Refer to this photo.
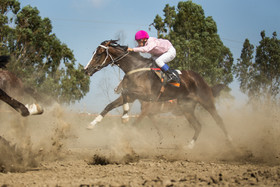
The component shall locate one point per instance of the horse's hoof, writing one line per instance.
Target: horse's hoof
(190, 145)
(125, 118)
(124, 121)
(34, 109)
(90, 127)
(93, 124)
(229, 138)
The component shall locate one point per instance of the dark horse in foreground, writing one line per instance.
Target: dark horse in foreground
(10, 83)
(140, 82)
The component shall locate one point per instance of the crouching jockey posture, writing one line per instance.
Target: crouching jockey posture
(161, 50)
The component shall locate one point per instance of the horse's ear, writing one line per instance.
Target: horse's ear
(114, 42)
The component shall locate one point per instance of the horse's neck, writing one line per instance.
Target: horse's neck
(134, 61)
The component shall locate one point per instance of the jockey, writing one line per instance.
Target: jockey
(162, 51)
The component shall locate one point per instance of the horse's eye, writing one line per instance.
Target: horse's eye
(99, 52)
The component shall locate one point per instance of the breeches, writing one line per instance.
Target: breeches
(165, 57)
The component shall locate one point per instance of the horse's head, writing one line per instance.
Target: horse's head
(108, 52)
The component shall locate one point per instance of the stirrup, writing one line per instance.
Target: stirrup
(173, 82)
(173, 78)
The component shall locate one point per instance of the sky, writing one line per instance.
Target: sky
(83, 24)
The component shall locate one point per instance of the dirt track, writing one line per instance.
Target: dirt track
(57, 150)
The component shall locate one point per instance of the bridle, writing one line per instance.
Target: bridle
(108, 55)
(113, 61)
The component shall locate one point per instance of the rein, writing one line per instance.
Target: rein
(113, 61)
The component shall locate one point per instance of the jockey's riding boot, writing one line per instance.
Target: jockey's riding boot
(172, 76)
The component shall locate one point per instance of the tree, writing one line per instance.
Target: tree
(39, 58)
(5, 7)
(260, 78)
(244, 68)
(199, 47)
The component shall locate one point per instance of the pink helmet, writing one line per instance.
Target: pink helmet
(141, 35)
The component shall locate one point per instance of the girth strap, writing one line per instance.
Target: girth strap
(138, 70)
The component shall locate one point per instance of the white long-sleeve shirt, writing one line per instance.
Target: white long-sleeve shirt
(154, 46)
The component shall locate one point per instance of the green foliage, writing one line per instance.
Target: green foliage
(259, 77)
(244, 68)
(199, 47)
(39, 58)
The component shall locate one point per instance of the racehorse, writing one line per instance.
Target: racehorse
(9, 82)
(141, 82)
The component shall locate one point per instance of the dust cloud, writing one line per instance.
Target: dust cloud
(60, 134)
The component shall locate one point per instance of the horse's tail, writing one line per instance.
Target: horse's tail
(216, 89)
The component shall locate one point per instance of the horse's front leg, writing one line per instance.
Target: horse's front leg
(14, 103)
(125, 116)
(116, 103)
(126, 100)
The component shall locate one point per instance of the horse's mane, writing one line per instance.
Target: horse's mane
(149, 61)
(140, 57)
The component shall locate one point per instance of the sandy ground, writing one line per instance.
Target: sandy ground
(55, 149)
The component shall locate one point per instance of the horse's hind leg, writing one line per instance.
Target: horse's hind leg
(208, 103)
(154, 121)
(188, 108)
(212, 110)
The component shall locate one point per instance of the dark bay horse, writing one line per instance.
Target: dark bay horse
(10, 83)
(141, 83)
